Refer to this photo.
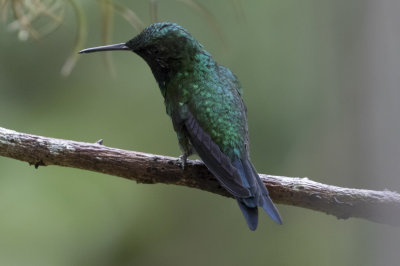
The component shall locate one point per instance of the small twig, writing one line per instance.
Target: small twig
(377, 206)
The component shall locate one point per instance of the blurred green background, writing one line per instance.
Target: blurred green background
(321, 83)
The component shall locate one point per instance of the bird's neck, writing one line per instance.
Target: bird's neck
(164, 72)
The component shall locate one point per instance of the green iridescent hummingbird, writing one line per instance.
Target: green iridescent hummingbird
(204, 102)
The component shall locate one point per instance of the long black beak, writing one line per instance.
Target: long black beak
(112, 47)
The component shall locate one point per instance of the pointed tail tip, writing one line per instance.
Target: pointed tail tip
(250, 214)
(271, 210)
(252, 228)
(278, 220)
(274, 214)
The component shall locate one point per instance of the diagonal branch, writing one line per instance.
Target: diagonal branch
(377, 206)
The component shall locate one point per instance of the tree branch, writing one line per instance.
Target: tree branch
(377, 206)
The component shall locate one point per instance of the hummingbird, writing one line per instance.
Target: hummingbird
(204, 101)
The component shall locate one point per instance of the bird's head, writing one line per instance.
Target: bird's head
(167, 41)
(163, 45)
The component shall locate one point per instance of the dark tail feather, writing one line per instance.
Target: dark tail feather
(250, 214)
(271, 210)
(267, 203)
(259, 193)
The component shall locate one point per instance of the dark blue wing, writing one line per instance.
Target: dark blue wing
(217, 162)
(238, 177)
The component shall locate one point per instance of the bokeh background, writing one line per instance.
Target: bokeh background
(321, 82)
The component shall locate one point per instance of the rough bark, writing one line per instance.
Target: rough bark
(377, 206)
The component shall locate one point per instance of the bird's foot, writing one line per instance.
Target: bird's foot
(183, 159)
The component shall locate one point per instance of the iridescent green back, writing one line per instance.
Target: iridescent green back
(213, 95)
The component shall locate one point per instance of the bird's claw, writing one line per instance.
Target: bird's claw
(183, 159)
